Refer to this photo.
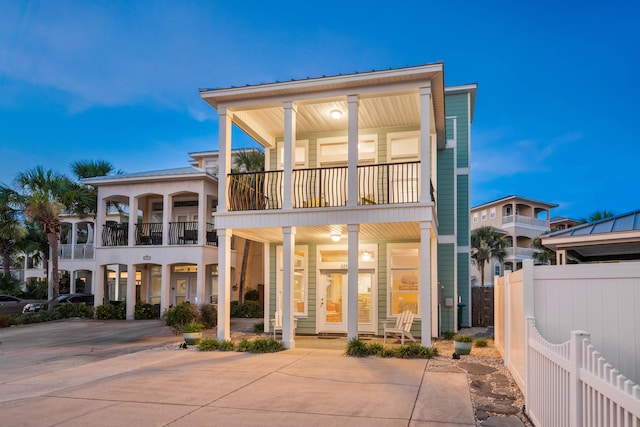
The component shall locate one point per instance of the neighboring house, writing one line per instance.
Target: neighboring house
(76, 251)
(562, 223)
(611, 239)
(166, 253)
(362, 210)
(522, 220)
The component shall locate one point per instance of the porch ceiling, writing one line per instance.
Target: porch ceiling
(322, 234)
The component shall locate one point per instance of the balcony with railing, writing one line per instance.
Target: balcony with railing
(389, 183)
(183, 233)
(525, 220)
(149, 233)
(115, 234)
(78, 251)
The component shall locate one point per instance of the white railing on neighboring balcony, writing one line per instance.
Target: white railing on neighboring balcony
(76, 252)
(570, 384)
(527, 220)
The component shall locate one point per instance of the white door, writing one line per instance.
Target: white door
(184, 288)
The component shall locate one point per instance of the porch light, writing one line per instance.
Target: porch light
(336, 237)
(367, 256)
(336, 114)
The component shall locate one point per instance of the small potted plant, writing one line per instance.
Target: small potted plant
(462, 344)
(192, 333)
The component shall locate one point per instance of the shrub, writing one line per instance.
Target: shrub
(375, 348)
(208, 344)
(226, 345)
(252, 295)
(258, 328)
(6, 320)
(192, 327)
(180, 315)
(265, 345)
(250, 309)
(463, 338)
(448, 335)
(28, 318)
(481, 342)
(145, 311)
(358, 348)
(9, 285)
(67, 310)
(209, 315)
(416, 351)
(36, 289)
(387, 352)
(110, 312)
(243, 345)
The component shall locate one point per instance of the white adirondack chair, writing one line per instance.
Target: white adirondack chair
(276, 323)
(402, 326)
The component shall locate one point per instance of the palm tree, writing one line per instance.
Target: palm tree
(251, 160)
(598, 215)
(542, 254)
(12, 232)
(43, 195)
(93, 168)
(486, 243)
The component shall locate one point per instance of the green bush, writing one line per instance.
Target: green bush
(448, 335)
(9, 285)
(111, 312)
(209, 315)
(36, 289)
(463, 338)
(375, 348)
(250, 309)
(180, 315)
(243, 345)
(416, 351)
(252, 295)
(388, 352)
(358, 348)
(481, 342)
(28, 318)
(144, 311)
(226, 345)
(192, 327)
(208, 344)
(67, 310)
(6, 320)
(258, 328)
(265, 345)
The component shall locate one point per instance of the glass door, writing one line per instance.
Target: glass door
(333, 297)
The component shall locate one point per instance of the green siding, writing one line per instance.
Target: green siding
(463, 210)
(457, 105)
(446, 279)
(463, 285)
(445, 192)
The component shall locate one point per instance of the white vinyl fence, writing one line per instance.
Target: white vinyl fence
(572, 384)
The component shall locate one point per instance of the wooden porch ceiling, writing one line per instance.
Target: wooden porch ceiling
(322, 234)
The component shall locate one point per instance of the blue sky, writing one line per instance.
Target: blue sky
(556, 108)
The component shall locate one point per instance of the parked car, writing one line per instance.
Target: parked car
(61, 299)
(14, 305)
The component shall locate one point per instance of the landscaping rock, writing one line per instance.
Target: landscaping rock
(477, 368)
(481, 415)
(498, 408)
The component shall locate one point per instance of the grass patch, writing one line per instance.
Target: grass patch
(226, 345)
(448, 335)
(208, 344)
(481, 342)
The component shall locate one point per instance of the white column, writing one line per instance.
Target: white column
(425, 282)
(100, 215)
(352, 143)
(289, 245)
(165, 287)
(201, 275)
(72, 281)
(131, 291)
(202, 217)
(425, 144)
(266, 258)
(98, 286)
(74, 239)
(290, 115)
(133, 219)
(224, 156)
(224, 283)
(166, 216)
(352, 281)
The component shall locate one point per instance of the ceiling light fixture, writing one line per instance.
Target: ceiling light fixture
(335, 237)
(336, 114)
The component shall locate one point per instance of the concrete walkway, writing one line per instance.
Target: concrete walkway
(299, 387)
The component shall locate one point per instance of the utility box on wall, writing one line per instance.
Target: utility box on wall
(448, 302)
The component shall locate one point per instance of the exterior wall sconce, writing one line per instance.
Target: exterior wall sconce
(367, 256)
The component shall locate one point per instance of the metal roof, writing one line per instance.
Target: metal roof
(626, 222)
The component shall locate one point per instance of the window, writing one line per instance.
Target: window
(483, 215)
(492, 213)
(335, 151)
(403, 146)
(299, 154)
(299, 280)
(496, 269)
(404, 278)
(475, 217)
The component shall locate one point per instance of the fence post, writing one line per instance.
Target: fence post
(529, 321)
(575, 390)
(527, 288)
(506, 318)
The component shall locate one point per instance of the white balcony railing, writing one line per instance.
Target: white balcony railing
(77, 252)
(527, 220)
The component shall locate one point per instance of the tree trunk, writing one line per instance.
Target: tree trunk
(6, 263)
(482, 306)
(55, 274)
(243, 270)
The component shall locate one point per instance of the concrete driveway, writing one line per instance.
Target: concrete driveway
(92, 373)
